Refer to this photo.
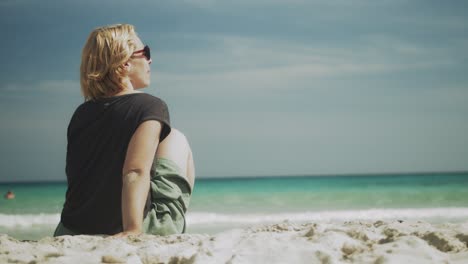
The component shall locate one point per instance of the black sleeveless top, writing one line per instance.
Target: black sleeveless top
(98, 136)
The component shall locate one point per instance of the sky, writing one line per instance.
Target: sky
(260, 88)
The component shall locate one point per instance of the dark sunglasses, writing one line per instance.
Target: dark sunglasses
(146, 52)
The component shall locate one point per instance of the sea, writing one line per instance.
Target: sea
(220, 204)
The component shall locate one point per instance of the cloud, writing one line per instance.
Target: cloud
(47, 86)
(236, 64)
(281, 3)
(44, 100)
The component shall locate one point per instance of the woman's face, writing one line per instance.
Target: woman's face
(139, 72)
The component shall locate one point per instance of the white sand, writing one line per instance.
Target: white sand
(350, 242)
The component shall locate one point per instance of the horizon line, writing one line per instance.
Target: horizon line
(367, 174)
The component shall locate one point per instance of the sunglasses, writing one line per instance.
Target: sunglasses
(146, 52)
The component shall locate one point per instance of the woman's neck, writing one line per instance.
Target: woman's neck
(128, 89)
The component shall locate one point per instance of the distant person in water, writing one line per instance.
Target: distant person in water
(9, 195)
(128, 171)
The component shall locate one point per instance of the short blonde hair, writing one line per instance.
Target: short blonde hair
(104, 53)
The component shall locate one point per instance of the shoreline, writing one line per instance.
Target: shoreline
(401, 241)
(35, 227)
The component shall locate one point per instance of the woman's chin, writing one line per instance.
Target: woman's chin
(143, 85)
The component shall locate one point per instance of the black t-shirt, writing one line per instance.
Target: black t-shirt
(98, 137)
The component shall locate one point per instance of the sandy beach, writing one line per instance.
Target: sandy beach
(346, 242)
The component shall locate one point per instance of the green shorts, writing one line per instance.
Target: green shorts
(170, 195)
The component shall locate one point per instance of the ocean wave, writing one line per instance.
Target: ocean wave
(28, 220)
(207, 218)
(439, 214)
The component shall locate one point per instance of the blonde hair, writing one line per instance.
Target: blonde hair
(105, 51)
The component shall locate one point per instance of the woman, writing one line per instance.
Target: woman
(128, 172)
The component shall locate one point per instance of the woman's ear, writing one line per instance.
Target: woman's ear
(126, 66)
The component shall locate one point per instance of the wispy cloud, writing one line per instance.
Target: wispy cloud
(43, 86)
(257, 65)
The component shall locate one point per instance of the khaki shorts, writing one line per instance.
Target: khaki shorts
(170, 197)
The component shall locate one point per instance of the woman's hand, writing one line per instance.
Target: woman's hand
(128, 233)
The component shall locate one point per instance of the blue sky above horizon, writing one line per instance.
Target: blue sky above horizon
(259, 87)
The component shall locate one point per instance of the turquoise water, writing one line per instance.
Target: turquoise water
(219, 204)
(343, 192)
(33, 198)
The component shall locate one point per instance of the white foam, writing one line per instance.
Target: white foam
(448, 214)
(28, 220)
(207, 218)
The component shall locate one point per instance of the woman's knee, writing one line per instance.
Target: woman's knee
(175, 141)
(176, 135)
(175, 147)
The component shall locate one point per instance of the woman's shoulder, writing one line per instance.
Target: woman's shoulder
(152, 106)
(149, 99)
(144, 100)
(147, 96)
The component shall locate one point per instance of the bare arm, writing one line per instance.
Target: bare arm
(136, 175)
